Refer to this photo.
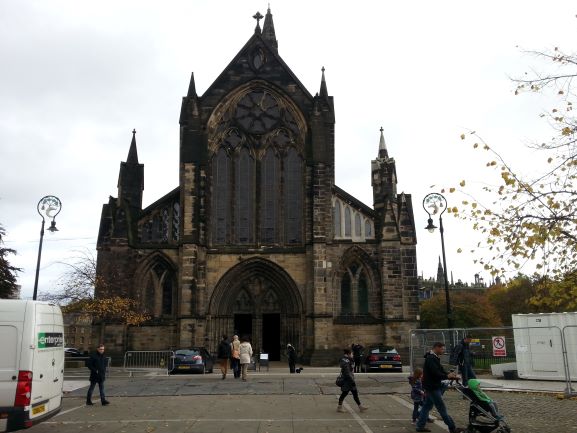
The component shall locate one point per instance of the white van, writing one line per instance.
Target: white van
(31, 362)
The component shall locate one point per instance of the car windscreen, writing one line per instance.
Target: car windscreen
(187, 352)
(383, 349)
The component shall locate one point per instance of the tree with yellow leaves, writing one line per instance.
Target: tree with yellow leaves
(533, 218)
(75, 293)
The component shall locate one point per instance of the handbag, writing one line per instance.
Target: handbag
(340, 380)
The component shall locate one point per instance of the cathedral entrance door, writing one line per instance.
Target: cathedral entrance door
(243, 325)
(271, 336)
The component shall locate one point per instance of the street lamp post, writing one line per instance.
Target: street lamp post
(48, 207)
(434, 204)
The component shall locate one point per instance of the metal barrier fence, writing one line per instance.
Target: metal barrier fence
(149, 360)
(544, 352)
(570, 339)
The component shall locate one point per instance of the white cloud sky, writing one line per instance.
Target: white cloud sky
(76, 77)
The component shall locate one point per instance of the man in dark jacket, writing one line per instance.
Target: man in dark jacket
(357, 356)
(223, 354)
(433, 375)
(462, 357)
(97, 364)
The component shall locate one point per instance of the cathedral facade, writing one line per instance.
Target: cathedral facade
(257, 239)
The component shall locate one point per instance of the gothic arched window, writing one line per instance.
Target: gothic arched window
(244, 195)
(293, 197)
(159, 289)
(346, 294)
(269, 185)
(358, 224)
(355, 290)
(347, 221)
(363, 294)
(221, 197)
(337, 219)
(167, 293)
(368, 229)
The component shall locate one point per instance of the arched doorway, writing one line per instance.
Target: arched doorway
(258, 299)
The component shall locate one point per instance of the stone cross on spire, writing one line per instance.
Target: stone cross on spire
(257, 17)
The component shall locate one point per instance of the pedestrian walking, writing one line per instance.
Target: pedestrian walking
(97, 364)
(245, 351)
(223, 355)
(462, 357)
(357, 356)
(235, 356)
(292, 357)
(433, 375)
(349, 385)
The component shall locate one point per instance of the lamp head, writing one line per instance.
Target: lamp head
(430, 226)
(52, 227)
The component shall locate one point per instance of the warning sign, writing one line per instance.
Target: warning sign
(499, 348)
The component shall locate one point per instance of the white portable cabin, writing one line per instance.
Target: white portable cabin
(31, 362)
(538, 346)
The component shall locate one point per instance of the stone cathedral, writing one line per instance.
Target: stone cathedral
(257, 239)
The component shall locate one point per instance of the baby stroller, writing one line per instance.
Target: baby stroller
(483, 417)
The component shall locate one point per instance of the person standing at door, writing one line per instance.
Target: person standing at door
(245, 350)
(292, 357)
(223, 354)
(97, 364)
(235, 356)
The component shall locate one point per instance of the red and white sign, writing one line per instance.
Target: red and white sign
(499, 347)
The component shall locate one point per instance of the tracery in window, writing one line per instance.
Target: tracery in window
(244, 197)
(293, 197)
(355, 290)
(346, 294)
(269, 185)
(221, 197)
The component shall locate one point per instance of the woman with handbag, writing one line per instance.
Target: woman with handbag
(235, 356)
(245, 351)
(347, 378)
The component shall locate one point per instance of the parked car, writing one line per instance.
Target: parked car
(195, 359)
(71, 352)
(382, 358)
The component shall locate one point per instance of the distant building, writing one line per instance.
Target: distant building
(78, 331)
(429, 287)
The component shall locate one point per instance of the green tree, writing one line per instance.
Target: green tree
(470, 310)
(533, 217)
(513, 298)
(8, 286)
(555, 295)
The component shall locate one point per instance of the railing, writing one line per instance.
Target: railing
(149, 360)
(551, 351)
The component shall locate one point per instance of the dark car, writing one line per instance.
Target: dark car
(382, 358)
(193, 360)
(71, 352)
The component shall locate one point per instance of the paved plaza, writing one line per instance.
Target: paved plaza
(278, 402)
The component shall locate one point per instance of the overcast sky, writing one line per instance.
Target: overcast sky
(76, 77)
